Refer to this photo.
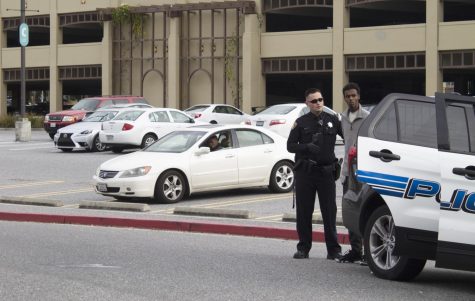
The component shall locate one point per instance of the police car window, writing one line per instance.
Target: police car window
(249, 138)
(458, 129)
(386, 128)
(417, 123)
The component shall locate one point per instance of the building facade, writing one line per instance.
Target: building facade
(245, 53)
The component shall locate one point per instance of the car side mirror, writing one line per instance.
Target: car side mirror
(202, 151)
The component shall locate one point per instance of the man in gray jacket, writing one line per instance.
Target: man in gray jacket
(351, 120)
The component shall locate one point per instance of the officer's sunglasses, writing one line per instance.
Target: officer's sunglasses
(316, 100)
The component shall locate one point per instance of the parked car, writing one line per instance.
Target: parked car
(84, 135)
(57, 120)
(280, 118)
(141, 127)
(181, 164)
(412, 185)
(217, 114)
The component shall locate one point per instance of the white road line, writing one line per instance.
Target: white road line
(13, 143)
(29, 184)
(270, 217)
(37, 195)
(29, 148)
(232, 202)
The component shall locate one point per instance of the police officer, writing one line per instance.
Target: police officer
(312, 139)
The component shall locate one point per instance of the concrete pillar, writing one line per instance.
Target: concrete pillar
(173, 65)
(55, 86)
(252, 79)
(341, 20)
(3, 87)
(107, 88)
(434, 15)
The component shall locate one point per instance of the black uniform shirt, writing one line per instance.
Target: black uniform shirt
(305, 127)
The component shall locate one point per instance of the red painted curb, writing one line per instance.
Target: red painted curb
(266, 232)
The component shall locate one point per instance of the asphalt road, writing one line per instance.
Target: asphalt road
(36, 169)
(63, 262)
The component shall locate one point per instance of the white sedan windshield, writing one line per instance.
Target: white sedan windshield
(175, 142)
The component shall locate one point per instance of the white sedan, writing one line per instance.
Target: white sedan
(280, 118)
(181, 163)
(141, 127)
(217, 114)
(84, 135)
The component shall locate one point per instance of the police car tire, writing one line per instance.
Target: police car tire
(405, 269)
(163, 183)
(279, 168)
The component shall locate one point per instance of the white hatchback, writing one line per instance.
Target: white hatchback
(141, 127)
(181, 163)
(217, 114)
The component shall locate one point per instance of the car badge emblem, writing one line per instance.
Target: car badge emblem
(65, 135)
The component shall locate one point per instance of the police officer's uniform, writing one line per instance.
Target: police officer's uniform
(314, 173)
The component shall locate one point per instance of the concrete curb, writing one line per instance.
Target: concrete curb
(216, 212)
(30, 201)
(316, 219)
(243, 230)
(138, 207)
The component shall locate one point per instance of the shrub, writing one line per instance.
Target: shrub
(8, 121)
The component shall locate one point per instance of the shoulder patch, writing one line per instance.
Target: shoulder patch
(294, 125)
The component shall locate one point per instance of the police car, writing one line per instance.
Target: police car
(411, 189)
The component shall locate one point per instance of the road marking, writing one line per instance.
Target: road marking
(37, 195)
(242, 201)
(29, 184)
(71, 206)
(24, 143)
(29, 148)
(270, 217)
(238, 202)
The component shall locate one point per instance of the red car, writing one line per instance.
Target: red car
(57, 120)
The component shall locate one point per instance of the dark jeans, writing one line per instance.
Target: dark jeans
(307, 184)
(355, 240)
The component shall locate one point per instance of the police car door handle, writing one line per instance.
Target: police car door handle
(229, 156)
(385, 155)
(468, 172)
(267, 151)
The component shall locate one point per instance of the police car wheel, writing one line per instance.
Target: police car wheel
(282, 177)
(379, 244)
(170, 187)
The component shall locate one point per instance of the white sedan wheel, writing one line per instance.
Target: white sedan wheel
(282, 177)
(170, 187)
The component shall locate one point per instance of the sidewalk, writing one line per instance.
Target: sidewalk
(141, 220)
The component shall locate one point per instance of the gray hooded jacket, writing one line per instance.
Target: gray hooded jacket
(350, 132)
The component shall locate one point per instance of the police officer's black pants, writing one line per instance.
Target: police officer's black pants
(306, 185)
(355, 240)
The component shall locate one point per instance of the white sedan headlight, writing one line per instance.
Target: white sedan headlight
(136, 172)
(86, 132)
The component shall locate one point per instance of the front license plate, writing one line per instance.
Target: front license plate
(259, 123)
(101, 187)
(110, 137)
(52, 125)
